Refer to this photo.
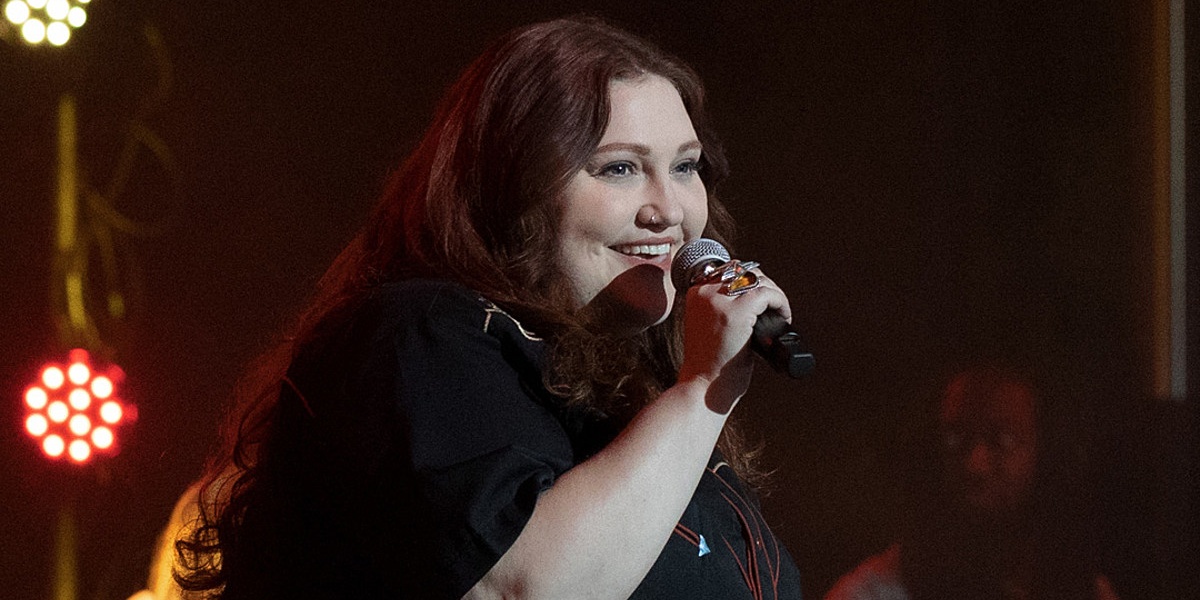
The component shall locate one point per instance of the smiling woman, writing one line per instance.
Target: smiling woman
(498, 392)
(635, 202)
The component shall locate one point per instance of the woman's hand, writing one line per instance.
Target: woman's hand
(717, 329)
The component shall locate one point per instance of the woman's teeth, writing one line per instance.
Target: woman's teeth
(645, 250)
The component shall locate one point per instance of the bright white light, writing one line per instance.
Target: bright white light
(80, 450)
(34, 31)
(53, 445)
(58, 411)
(78, 373)
(57, 9)
(102, 437)
(37, 425)
(80, 425)
(57, 33)
(36, 398)
(16, 11)
(102, 387)
(79, 399)
(110, 412)
(53, 377)
(48, 20)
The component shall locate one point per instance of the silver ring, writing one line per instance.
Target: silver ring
(735, 277)
(739, 285)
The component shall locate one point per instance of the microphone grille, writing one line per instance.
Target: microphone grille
(693, 254)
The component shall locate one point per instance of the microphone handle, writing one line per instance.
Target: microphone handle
(780, 344)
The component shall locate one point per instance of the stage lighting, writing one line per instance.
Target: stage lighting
(79, 399)
(37, 425)
(53, 445)
(46, 20)
(74, 409)
(53, 377)
(36, 398)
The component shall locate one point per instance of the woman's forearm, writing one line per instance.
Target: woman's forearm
(602, 525)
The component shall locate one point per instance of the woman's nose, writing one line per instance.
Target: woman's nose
(662, 208)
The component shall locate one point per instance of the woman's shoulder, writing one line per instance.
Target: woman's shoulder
(389, 318)
(428, 297)
(448, 303)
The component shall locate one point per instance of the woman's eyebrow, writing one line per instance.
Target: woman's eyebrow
(639, 149)
(643, 150)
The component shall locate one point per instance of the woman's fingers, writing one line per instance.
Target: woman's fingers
(763, 296)
(777, 301)
(723, 322)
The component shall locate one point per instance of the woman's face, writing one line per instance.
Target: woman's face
(631, 207)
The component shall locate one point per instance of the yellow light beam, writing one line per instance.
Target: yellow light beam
(68, 207)
(65, 567)
(68, 215)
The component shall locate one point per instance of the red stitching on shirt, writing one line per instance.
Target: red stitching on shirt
(687, 534)
(754, 537)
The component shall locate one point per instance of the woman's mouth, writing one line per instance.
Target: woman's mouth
(644, 251)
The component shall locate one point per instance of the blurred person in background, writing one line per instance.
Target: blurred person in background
(1003, 513)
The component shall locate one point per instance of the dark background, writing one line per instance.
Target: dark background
(928, 180)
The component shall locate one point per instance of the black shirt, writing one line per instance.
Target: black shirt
(414, 442)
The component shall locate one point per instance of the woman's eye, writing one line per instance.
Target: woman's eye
(617, 169)
(688, 167)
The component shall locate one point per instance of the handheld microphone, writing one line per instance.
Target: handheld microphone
(774, 339)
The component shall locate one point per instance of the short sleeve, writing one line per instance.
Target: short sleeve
(453, 403)
(482, 445)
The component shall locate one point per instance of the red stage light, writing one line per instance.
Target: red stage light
(53, 445)
(79, 399)
(79, 373)
(58, 411)
(36, 398)
(61, 414)
(80, 424)
(53, 377)
(102, 437)
(79, 450)
(111, 412)
(102, 387)
(37, 425)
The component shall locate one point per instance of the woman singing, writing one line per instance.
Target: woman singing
(498, 391)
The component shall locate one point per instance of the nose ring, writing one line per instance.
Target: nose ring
(654, 219)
